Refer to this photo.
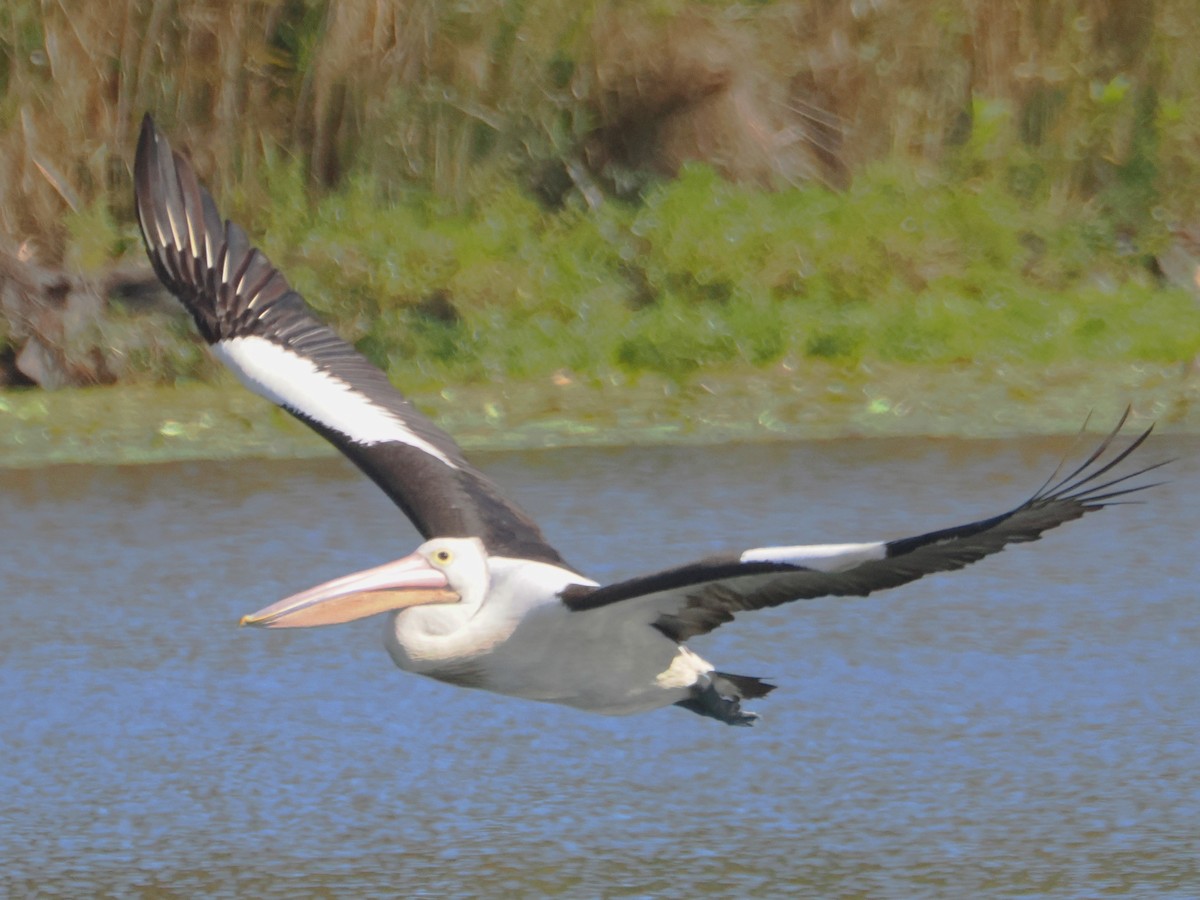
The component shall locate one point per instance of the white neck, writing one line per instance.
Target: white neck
(425, 638)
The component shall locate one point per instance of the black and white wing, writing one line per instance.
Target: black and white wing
(265, 332)
(694, 599)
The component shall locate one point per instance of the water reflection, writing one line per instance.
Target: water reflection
(1027, 726)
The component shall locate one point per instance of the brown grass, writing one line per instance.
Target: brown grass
(426, 94)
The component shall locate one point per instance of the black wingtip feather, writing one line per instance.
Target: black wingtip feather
(1046, 488)
(1059, 500)
(1079, 487)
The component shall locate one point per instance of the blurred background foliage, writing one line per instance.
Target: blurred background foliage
(508, 189)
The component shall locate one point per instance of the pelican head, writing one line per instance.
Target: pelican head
(440, 571)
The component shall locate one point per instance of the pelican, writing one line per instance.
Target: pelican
(486, 602)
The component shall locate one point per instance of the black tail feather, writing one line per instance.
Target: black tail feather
(745, 686)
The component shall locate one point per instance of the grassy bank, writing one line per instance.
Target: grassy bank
(709, 311)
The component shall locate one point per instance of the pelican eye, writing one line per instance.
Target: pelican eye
(442, 557)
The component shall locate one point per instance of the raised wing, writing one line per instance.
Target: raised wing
(696, 598)
(265, 332)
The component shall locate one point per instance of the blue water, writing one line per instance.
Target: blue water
(1026, 727)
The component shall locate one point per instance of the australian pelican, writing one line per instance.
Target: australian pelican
(486, 602)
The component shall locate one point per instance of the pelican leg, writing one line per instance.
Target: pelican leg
(720, 696)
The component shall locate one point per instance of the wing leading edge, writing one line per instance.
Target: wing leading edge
(264, 331)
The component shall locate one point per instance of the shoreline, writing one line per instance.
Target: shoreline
(129, 425)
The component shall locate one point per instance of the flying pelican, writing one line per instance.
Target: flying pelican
(485, 601)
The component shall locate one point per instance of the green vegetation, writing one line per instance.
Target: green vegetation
(704, 274)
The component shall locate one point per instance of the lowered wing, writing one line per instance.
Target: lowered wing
(694, 599)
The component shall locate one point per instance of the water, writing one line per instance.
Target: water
(1025, 727)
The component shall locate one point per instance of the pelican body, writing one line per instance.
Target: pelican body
(486, 602)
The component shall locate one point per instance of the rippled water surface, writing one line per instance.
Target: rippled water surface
(1030, 726)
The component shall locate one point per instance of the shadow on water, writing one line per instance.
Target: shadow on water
(1027, 726)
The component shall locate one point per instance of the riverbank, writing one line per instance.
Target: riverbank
(816, 401)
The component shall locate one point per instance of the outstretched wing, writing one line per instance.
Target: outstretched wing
(265, 332)
(696, 598)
